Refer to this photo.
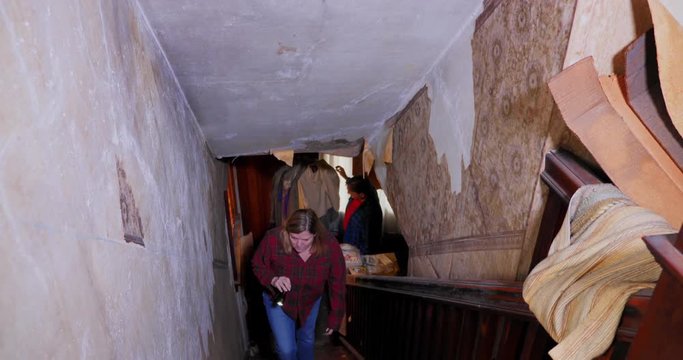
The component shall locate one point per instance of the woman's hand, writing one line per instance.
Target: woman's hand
(328, 331)
(341, 172)
(281, 283)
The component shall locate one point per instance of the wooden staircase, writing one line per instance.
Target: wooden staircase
(418, 318)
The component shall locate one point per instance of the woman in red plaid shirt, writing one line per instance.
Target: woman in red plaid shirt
(297, 260)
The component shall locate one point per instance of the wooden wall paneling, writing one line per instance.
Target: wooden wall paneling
(255, 181)
(392, 327)
(421, 319)
(410, 327)
(441, 331)
(511, 346)
(486, 335)
(633, 316)
(455, 321)
(537, 343)
(645, 96)
(467, 335)
(418, 326)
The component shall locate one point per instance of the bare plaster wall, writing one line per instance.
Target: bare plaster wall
(93, 124)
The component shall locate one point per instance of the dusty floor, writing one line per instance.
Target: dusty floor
(324, 350)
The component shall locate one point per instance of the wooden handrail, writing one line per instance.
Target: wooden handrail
(663, 248)
(564, 173)
(499, 296)
(400, 317)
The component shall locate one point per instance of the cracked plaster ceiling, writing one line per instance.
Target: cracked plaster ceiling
(267, 75)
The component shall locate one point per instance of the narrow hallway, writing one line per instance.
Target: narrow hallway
(429, 171)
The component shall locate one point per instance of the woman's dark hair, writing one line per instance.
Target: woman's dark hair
(361, 185)
(303, 220)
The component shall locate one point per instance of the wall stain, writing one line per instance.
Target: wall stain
(130, 215)
(285, 49)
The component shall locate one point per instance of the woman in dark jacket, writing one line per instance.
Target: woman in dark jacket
(362, 224)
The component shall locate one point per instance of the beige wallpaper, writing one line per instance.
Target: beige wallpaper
(479, 233)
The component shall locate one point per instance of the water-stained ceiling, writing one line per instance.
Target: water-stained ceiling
(266, 75)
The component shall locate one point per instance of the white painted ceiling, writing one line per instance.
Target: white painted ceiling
(264, 75)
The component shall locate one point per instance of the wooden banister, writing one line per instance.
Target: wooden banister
(419, 318)
(564, 173)
(498, 296)
(660, 334)
(411, 318)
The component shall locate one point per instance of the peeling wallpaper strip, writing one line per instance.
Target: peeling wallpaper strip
(513, 108)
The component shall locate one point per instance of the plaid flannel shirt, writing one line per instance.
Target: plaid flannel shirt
(307, 278)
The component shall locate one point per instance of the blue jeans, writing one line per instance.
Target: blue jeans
(292, 343)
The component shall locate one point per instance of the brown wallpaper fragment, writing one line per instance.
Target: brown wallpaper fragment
(515, 52)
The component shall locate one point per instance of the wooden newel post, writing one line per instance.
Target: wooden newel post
(661, 333)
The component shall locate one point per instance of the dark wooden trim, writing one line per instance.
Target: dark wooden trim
(254, 184)
(228, 196)
(502, 296)
(498, 296)
(644, 95)
(633, 314)
(564, 173)
(483, 318)
(659, 336)
(551, 221)
(456, 319)
(667, 255)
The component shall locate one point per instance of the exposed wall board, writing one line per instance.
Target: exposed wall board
(513, 109)
(675, 7)
(669, 39)
(645, 95)
(596, 111)
(602, 29)
(84, 83)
